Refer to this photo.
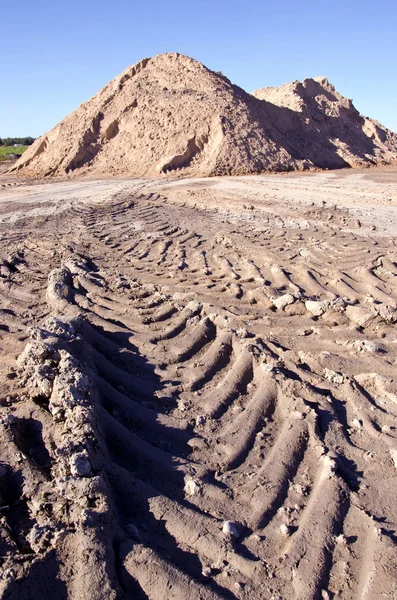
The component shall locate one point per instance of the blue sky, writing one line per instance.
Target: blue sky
(59, 54)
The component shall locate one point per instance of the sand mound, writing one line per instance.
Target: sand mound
(329, 124)
(170, 113)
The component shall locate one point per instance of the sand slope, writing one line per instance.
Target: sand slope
(178, 355)
(171, 114)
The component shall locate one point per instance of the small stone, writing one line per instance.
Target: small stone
(305, 252)
(80, 464)
(333, 376)
(231, 528)
(242, 332)
(192, 487)
(341, 540)
(200, 420)
(300, 489)
(282, 301)
(317, 308)
(206, 572)
(357, 423)
(285, 530)
(39, 538)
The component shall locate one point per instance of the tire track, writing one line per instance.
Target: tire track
(198, 382)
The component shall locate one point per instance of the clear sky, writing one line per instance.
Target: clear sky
(57, 54)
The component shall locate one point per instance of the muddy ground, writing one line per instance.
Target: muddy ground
(198, 391)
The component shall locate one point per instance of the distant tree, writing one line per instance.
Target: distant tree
(23, 141)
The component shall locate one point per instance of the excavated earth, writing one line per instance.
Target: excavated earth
(171, 115)
(198, 392)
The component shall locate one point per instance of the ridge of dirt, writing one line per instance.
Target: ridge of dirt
(171, 115)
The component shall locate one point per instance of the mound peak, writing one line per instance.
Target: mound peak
(303, 95)
(171, 113)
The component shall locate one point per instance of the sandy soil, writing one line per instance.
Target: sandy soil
(198, 392)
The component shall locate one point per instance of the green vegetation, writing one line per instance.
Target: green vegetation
(9, 147)
(7, 152)
(21, 141)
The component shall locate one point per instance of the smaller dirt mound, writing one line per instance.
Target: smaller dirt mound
(327, 127)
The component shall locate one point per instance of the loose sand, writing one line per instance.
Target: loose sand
(198, 392)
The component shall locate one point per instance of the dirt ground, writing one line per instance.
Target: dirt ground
(198, 392)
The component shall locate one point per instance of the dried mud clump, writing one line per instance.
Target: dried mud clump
(69, 510)
(170, 114)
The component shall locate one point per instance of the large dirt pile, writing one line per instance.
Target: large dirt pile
(170, 113)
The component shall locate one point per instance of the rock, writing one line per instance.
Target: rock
(359, 315)
(80, 464)
(367, 346)
(39, 537)
(231, 528)
(192, 487)
(317, 308)
(285, 529)
(386, 312)
(333, 376)
(242, 332)
(305, 252)
(300, 489)
(282, 301)
(341, 540)
(206, 572)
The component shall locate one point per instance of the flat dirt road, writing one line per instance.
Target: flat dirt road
(198, 389)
